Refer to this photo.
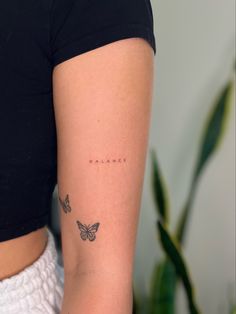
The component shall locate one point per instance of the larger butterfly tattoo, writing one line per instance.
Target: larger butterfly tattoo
(65, 204)
(87, 231)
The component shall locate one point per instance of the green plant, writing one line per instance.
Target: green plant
(233, 310)
(232, 299)
(173, 267)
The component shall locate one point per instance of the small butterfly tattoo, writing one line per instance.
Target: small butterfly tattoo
(87, 231)
(65, 204)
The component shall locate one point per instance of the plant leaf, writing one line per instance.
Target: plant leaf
(144, 309)
(233, 310)
(172, 249)
(212, 136)
(159, 190)
(136, 302)
(140, 302)
(214, 128)
(163, 286)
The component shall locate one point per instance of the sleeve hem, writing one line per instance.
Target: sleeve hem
(101, 38)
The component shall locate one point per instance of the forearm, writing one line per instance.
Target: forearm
(97, 293)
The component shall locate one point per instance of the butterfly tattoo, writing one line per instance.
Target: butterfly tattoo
(87, 231)
(65, 204)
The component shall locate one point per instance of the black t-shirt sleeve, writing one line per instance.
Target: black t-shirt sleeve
(77, 26)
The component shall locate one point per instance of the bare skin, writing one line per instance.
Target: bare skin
(102, 102)
(18, 253)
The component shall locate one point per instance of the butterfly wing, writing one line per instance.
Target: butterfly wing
(83, 230)
(91, 236)
(82, 227)
(63, 205)
(67, 203)
(84, 235)
(92, 230)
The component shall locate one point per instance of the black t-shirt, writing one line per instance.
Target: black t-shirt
(36, 35)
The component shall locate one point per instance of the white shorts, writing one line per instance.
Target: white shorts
(38, 288)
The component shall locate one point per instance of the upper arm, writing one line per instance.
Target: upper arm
(102, 105)
(102, 102)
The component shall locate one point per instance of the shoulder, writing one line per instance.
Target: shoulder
(78, 26)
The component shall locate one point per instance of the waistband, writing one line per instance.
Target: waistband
(33, 284)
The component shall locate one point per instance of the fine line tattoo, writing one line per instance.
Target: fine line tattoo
(87, 231)
(107, 161)
(65, 204)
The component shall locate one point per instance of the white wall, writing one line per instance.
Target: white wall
(195, 51)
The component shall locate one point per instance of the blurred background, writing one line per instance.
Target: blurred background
(195, 59)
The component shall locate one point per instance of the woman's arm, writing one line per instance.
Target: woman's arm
(102, 102)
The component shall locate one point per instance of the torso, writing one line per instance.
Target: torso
(18, 253)
(27, 132)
